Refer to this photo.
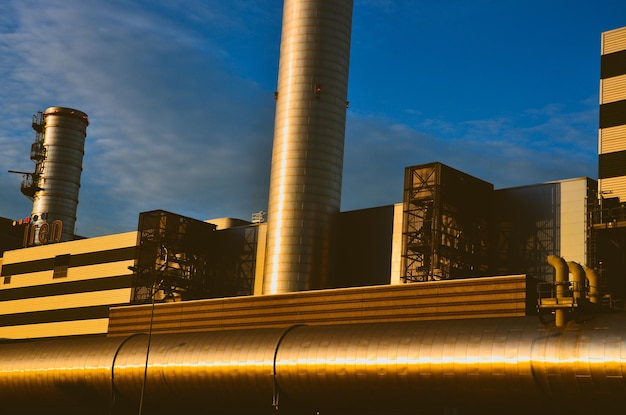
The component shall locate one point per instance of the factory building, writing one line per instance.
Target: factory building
(67, 288)
(430, 303)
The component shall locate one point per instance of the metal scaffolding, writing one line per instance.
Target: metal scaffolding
(445, 226)
(172, 258)
(30, 181)
(179, 258)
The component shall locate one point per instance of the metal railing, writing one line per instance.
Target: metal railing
(609, 215)
(560, 294)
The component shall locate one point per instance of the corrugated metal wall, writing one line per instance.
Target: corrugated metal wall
(612, 139)
(438, 300)
(613, 89)
(612, 135)
(614, 40)
(40, 298)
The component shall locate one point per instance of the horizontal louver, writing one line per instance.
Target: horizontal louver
(613, 89)
(614, 40)
(613, 139)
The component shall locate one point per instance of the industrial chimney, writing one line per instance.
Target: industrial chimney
(307, 156)
(53, 187)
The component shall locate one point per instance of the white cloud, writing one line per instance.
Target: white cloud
(534, 147)
(171, 125)
(180, 102)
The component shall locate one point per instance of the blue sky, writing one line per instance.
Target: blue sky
(180, 97)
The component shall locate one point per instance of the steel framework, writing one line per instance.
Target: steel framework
(172, 258)
(445, 226)
(179, 258)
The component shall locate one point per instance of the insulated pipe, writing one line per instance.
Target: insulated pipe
(578, 278)
(562, 277)
(515, 365)
(594, 284)
(307, 154)
(58, 373)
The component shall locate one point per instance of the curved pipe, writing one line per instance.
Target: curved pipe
(561, 278)
(578, 278)
(560, 267)
(364, 367)
(594, 285)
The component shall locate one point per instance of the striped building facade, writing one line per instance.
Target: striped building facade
(65, 288)
(612, 122)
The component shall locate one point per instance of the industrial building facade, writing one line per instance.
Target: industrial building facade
(434, 234)
(612, 133)
(341, 314)
(67, 288)
(609, 224)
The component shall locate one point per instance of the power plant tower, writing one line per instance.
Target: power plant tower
(58, 154)
(307, 155)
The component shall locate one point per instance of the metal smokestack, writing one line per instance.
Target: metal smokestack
(58, 153)
(307, 156)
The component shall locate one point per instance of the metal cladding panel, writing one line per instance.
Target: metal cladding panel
(613, 89)
(307, 158)
(59, 302)
(64, 141)
(55, 329)
(615, 185)
(57, 373)
(81, 246)
(612, 139)
(436, 300)
(614, 40)
(573, 232)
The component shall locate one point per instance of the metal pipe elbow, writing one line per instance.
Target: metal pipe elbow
(594, 284)
(578, 278)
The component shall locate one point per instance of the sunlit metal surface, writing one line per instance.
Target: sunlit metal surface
(200, 369)
(409, 364)
(64, 131)
(373, 368)
(57, 373)
(307, 155)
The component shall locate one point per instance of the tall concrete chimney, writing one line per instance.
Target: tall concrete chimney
(307, 156)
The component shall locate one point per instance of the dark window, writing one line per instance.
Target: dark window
(7, 279)
(61, 264)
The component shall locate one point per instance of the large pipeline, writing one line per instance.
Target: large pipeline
(509, 365)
